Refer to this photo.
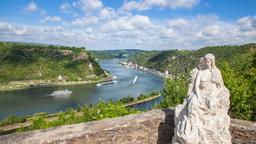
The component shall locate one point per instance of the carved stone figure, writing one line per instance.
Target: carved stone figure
(203, 117)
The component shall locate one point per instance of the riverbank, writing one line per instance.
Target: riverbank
(145, 69)
(29, 121)
(143, 100)
(18, 85)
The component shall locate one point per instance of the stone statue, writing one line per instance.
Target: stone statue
(203, 117)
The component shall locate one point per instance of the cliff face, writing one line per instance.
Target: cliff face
(153, 127)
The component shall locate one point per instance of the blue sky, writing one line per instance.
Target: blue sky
(119, 24)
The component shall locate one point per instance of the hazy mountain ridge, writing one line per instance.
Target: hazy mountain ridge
(110, 54)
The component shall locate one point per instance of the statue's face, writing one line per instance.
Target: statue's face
(205, 63)
(208, 63)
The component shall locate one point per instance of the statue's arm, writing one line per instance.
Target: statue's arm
(221, 79)
(193, 75)
(197, 82)
(217, 78)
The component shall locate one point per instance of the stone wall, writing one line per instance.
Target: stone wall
(153, 127)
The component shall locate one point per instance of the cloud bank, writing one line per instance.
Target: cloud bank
(102, 27)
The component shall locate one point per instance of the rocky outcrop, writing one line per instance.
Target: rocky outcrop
(152, 127)
(83, 56)
(65, 52)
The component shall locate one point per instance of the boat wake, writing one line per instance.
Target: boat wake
(135, 80)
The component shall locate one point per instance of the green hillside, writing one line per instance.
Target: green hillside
(20, 62)
(237, 64)
(180, 62)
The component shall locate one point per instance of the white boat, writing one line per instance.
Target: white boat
(134, 80)
(107, 83)
(114, 77)
(61, 92)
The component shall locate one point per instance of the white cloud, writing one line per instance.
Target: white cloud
(116, 25)
(110, 29)
(84, 21)
(212, 30)
(127, 23)
(7, 28)
(149, 4)
(66, 8)
(140, 21)
(42, 34)
(101, 27)
(165, 34)
(31, 7)
(88, 5)
(50, 19)
(89, 30)
(107, 13)
(176, 23)
(247, 23)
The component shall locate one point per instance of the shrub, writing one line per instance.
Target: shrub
(70, 116)
(39, 123)
(12, 119)
(127, 99)
(142, 96)
(174, 92)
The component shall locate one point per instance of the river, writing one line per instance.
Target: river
(30, 101)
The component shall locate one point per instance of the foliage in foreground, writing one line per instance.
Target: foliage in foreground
(12, 119)
(242, 92)
(82, 114)
(174, 93)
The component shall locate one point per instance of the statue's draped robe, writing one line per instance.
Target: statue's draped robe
(203, 118)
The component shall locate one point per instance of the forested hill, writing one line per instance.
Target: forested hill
(237, 64)
(110, 54)
(24, 62)
(180, 62)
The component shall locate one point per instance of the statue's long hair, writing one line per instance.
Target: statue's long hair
(211, 57)
(216, 75)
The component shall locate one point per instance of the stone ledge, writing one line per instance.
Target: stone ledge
(152, 127)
